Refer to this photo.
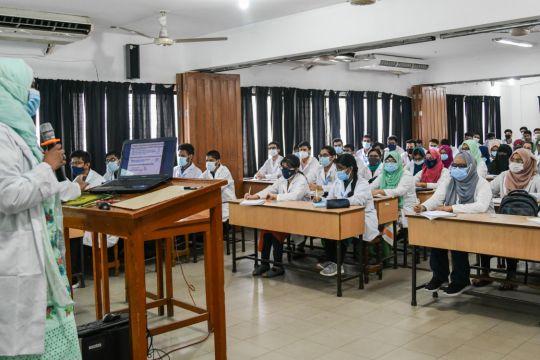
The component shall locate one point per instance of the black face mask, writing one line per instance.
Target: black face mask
(410, 151)
(508, 137)
(373, 162)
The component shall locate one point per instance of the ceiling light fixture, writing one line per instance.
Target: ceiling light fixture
(513, 42)
(244, 4)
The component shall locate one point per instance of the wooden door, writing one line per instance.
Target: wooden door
(429, 113)
(209, 118)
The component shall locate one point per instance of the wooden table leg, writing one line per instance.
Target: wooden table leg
(208, 275)
(97, 275)
(159, 273)
(105, 274)
(168, 275)
(67, 259)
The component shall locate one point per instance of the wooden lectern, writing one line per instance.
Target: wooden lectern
(135, 226)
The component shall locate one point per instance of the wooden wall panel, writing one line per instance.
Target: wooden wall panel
(429, 113)
(209, 118)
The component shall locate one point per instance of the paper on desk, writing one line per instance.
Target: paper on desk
(534, 220)
(383, 196)
(432, 215)
(253, 202)
(271, 177)
(497, 200)
(152, 198)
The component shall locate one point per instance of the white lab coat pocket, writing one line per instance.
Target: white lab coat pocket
(9, 253)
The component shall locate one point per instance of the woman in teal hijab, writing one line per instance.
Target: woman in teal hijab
(472, 147)
(36, 309)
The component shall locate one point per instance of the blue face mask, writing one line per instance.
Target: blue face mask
(458, 173)
(466, 151)
(182, 161)
(112, 166)
(211, 166)
(297, 154)
(390, 167)
(324, 161)
(444, 157)
(342, 175)
(494, 153)
(433, 147)
(476, 140)
(391, 147)
(366, 145)
(339, 150)
(77, 170)
(431, 163)
(419, 162)
(33, 103)
(287, 173)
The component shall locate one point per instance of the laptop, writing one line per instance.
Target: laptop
(145, 164)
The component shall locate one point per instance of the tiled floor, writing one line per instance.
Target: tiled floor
(298, 316)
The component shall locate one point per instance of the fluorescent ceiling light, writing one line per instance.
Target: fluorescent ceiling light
(513, 42)
(244, 4)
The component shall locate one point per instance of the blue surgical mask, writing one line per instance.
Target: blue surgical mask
(287, 173)
(444, 157)
(182, 161)
(391, 147)
(324, 161)
(419, 162)
(33, 102)
(458, 173)
(112, 166)
(494, 153)
(339, 150)
(347, 152)
(77, 170)
(433, 147)
(342, 175)
(431, 163)
(211, 166)
(366, 145)
(297, 154)
(476, 140)
(468, 151)
(390, 167)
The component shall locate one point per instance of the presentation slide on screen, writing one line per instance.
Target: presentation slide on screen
(145, 159)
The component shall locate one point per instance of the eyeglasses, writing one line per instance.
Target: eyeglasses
(460, 166)
(374, 157)
(390, 161)
(76, 163)
(324, 155)
(517, 161)
(111, 160)
(272, 148)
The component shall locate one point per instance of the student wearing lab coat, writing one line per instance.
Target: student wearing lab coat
(366, 146)
(455, 150)
(271, 168)
(417, 163)
(112, 159)
(36, 315)
(407, 155)
(356, 189)
(81, 166)
(464, 192)
(472, 146)
(433, 172)
(375, 166)
(186, 168)
(308, 164)
(326, 176)
(393, 146)
(291, 186)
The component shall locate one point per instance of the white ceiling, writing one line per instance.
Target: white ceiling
(187, 18)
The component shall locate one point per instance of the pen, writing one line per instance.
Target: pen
(316, 193)
(249, 192)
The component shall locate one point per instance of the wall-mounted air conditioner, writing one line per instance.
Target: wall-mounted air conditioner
(384, 63)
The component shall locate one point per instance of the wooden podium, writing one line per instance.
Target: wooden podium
(135, 226)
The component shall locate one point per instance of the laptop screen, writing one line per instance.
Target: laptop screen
(149, 158)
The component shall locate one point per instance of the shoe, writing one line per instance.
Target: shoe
(323, 265)
(331, 270)
(456, 289)
(435, 284)
(75, 286)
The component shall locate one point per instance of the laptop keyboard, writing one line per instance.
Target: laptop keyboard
(126, 182)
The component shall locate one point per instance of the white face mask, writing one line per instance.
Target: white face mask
(303, 154)
(272, 152)
(515, 167)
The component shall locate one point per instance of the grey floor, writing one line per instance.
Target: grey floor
(298, 316)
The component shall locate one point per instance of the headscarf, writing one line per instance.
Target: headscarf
(434, 174)
(391, 180)
(418, 168)
(521, 179)
(499, 165)
(485, 153)
(465, 188)
(492, 144)
(450, 154)
(473, 147)
(517, 143)
(15, 81)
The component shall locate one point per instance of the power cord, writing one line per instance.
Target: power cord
(151, 350)
(190, 286)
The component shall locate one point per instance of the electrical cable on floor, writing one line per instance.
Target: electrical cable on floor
(183, 347)
(190, 286)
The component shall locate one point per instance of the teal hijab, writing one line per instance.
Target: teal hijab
(475, 150)
(391, 180)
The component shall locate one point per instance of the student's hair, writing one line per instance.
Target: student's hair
(536, 129)
(296, 147)
(293, 162)
(187, 148)
(490, 134)
(378, 144)
(527, 132)
(278, 145)
(349, 146)
(523, 127)
(85, 156)
(445, 142)
(529, 142)
(116, 153)
(368, 136)
(393, 137)
(304, 143)
(435, 141)
(379, 152)
(337, 140)
(468, 134)
(508, 130)
(330, 150)
(418, 141)
(348, 160)
(411, 141)
(214, 154)
(477, 133)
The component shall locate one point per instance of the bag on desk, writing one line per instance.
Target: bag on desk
(338, 204)
(519, 202)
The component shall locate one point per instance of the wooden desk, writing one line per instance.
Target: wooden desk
(255, 185)
(498, 206)
(136, 226)
(424, 196)
(300, 217)
(387, 209)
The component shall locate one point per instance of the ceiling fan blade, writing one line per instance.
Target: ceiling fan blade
(136, 32)
(298, 67)
(200, 39)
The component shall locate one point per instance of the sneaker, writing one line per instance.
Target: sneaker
(75, 286)
(323, 265)
(331, 270)
(456, 289)
(435, 284)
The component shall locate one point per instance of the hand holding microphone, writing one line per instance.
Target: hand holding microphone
(54, 154)
(55, 157)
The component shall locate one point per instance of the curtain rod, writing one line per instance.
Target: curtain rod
(343, 93)
(519, 77)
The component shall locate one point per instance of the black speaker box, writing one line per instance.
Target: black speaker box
(133, 61)
(111, 344)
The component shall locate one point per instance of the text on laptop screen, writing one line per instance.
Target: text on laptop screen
(152, 158)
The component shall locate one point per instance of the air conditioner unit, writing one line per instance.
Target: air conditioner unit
(384, 63)
(43, 27)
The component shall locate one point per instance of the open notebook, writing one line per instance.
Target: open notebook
(432, 215)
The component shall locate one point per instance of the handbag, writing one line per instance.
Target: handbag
(338, 204)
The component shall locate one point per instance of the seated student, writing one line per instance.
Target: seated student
(433, 144)
(477, 138)
(375, 167)
(378, 145)
(527, 135)
(447, 155)
(296, 151)
(417, 163)
(308, 164)
(291, 186)
(356, 189)
(348, 149)
(216, 170)
(468, 136)
(489, 138)
(522, 130)
(455, 150)
(518, 144)
(366, 146)
(112, 158)
(464, 192)
(507, 138)
(486, 158)
(327, 171)
(472, 147)
(493, 148)
(186, 168)
(433, 172)
(406, 157)
(80, 166)
(502, 160)
(529, 146)
(393, 145)
(536, 140)
(271, 167)
(338, 146)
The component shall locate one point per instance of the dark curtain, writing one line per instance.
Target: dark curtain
(261, 97)
(140, 110)
(117, 115)
(248, 133)
(276, 115)
(349, 118)
(460, 119)
(473, 108)
(357, 100)
(333, 114)
(498, 124)
(72, 118)
(385, 103)
(396, 119)
(406, 117)
(288, 120)
(319, 129)
(451, 118)
(165, 110)
(372, 115)
(492, 114)
(50, 108)
(303, 116)
(94, 105)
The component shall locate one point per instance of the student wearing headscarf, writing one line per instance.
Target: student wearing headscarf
(447, 155)
(464, 192)
(493, 148)
(433, 172)
(472, 147)
(500, 164)
(485, 154)
(417, 163)
(36, 309)
(518, 144)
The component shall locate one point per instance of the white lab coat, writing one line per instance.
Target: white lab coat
(326, 181)
(445, 175)
(191, 172)
(24, 185)
(93, 179)
(311, 169)
(483, 202)
(110, 175)
(271, 167)
(399, 149)
(298, 189)
(227, 191)
(498, 187)
(405, 158)
(362, 154)
(481, 169)
(361, 197)
(366, 172)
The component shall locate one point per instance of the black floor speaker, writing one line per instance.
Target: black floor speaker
(110, 344)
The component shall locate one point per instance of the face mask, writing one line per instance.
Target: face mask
(508, 137)
(433, 147)
(182, 161)
(112, 166)
(391, 147)
(467, 151)
(287, 173)
(522, 133)
(431, 163)
(342, 175)
(211, 166)
(33, 102)
(483, 158)
(324, 161)
(458, 174)
(409, 151)
(297, 154)
(494, 153)
(339, 150)
(476, 140)
(303, 154)
(373, 162)
(444, 157)
(347, 152)
(535, 136)
(515, 168)
(272, 152)
(366, 145)
(77, 170)
(419, 162)
(390, 167)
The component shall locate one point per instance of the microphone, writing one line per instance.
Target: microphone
(50, 141)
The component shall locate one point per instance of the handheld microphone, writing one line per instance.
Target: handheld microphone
(50, 141)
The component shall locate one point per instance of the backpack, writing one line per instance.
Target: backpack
(519, 202)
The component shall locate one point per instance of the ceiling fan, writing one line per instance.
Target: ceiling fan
(327, 58)
(164, 39)
(520, 31)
